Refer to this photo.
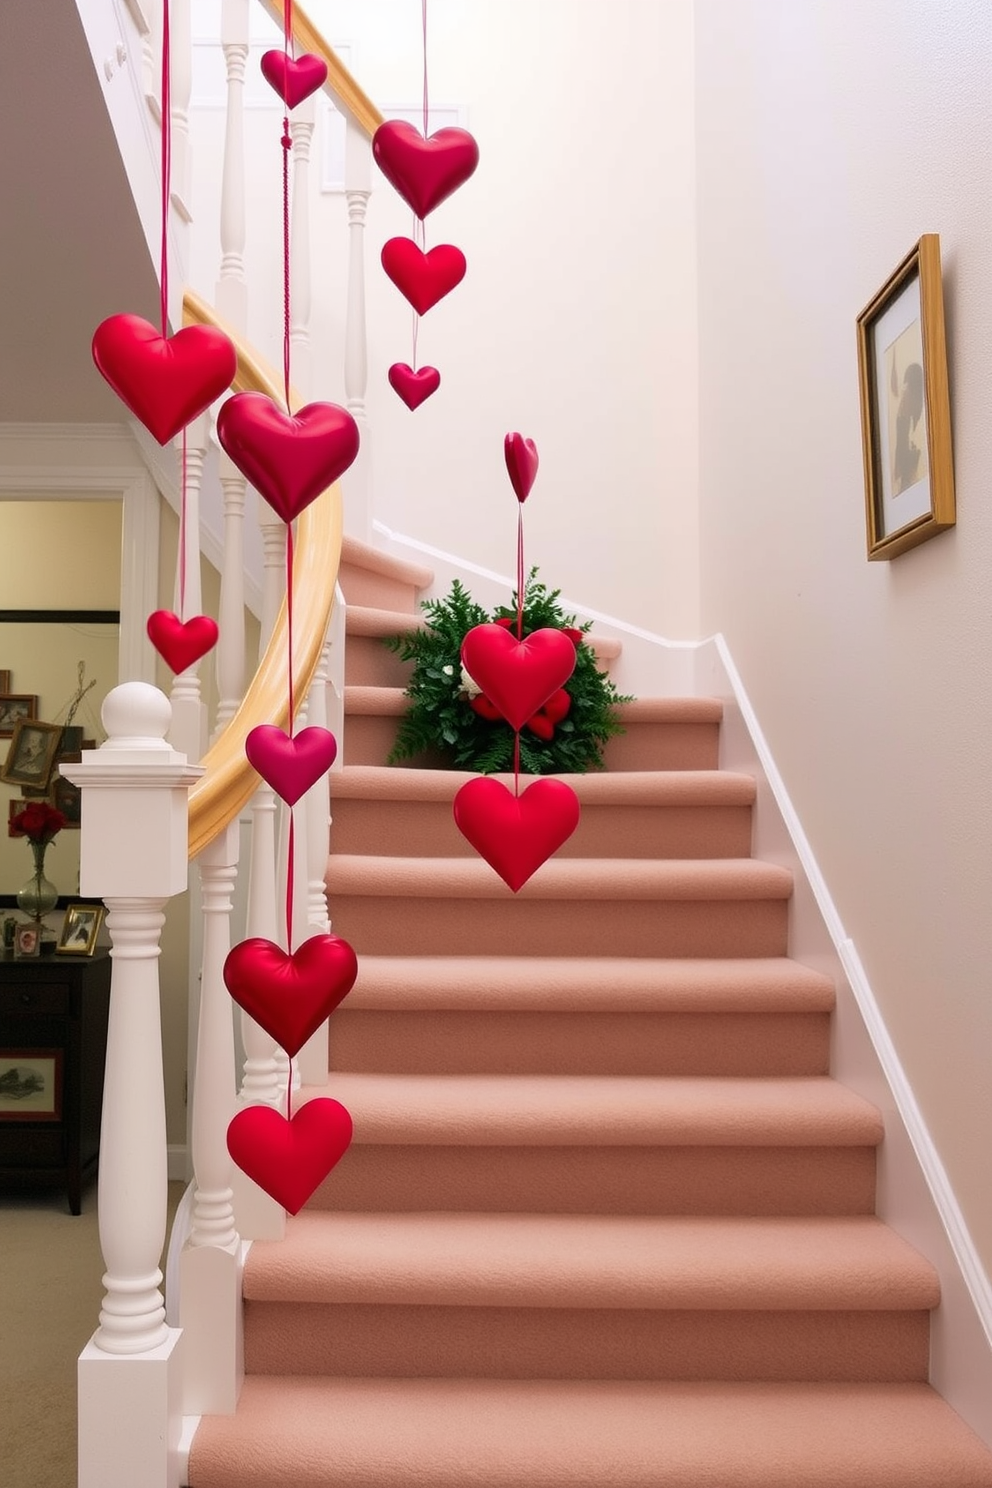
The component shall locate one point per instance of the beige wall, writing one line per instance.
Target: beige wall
(831, 134)
(576, 321)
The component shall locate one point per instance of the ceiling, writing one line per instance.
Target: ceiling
(72, 250)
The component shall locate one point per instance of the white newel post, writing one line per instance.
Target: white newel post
(211, 1262)
(129, 1374)
(358, 188)
(188, 730)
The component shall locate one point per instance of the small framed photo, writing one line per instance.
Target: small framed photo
(27, 941)
(30, 1084)
(33, 747)
(13, 707)
(905, 406)
(80, 930)
(4, 680)
(68, 799)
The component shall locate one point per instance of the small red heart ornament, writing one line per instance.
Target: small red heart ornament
(413, 387)
(424, 171)
(423, 278)
(180, 644)
(516, 834)
(290, 1159)
(521, 464)
(290, 995)
(290, 765)
(293, 78)
(289, 458)
(517, 677)
(165, 381)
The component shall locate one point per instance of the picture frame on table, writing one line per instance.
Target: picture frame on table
(80, 929)
(31, 1084)
(27, 940)
(31, 756)
(15, 706)
(905, 406)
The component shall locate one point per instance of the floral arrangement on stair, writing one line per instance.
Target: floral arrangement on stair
(451, 716)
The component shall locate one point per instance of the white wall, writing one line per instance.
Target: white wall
(576, 321)
(830, 136)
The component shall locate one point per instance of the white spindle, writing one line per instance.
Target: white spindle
(358, 188)
(334, 692)
(231, 617)
(210, 1265)
(181, 87)
(232, 286)
(317, 803)
(135, 777)
(301, 132)
(188, 730)
(151, 56)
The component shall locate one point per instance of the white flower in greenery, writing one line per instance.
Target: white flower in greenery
(448, 671)
(469, 684)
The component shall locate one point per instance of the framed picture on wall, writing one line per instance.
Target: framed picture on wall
(905, 407)
(13, 707)
(33, 747)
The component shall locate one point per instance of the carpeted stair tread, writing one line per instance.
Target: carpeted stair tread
(630, 788)
(366, 620)
(376, 702)
(560, 878)
(677, 710)
(603, 1111)
(356, 554)
(589, 984)
(592, 1261)
(305, 1432)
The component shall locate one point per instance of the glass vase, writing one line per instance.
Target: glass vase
(38, 895)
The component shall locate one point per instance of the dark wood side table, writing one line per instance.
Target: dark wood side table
(53, 1047)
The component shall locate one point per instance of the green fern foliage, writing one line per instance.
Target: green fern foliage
(441, 722)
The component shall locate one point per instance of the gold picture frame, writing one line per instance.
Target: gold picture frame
(905, 406)
(80, 929)
(33, 748)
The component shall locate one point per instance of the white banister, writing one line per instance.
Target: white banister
(130, 1369)
(188, 729)
(210, 1265)
(358, 188)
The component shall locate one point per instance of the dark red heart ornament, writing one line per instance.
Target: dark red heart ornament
(521, 464)
(290, 765)
(289, 458)
(517, 677)
(165, 381)
(293, 78)
(290, 995)
(424, 171)
(413, 387)
(179, 644)
(290, 1159)
(423, 278)
(516, 834)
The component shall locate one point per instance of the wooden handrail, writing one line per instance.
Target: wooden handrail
(347, 94)
(229, 781)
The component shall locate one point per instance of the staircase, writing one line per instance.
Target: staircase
(606, 1222)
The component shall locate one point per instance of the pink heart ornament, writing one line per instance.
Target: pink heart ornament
(521, 464)
(518, 677)
(413, 387)
(165, 381)
(290, 765)
(181, 644)
(516, 834)
(289, 458)
(290, 995)
(423, 278)
(424, 171)
(290, 1159)
(293, 78)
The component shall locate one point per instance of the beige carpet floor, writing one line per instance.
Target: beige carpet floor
(50, 1295)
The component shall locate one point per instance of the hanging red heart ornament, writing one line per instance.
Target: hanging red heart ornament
(290, 1159)
(290, 765)
(293, 78)
(516, 834)
(521, 464)
(517, 677)
(413, 387)
(290, 995)
(289, 458)
(424, 171)
(165, 381)
(423, 278)
(181, 644)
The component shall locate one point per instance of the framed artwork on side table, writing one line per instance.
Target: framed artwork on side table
(31, 1084)
(905, 407)
(80, 930)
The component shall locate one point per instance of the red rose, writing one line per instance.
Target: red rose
(541, 725)
(480, 704)
(558, 705)
(575, 636)
(38, 822)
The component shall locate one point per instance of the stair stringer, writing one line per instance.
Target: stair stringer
(913, 1192)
